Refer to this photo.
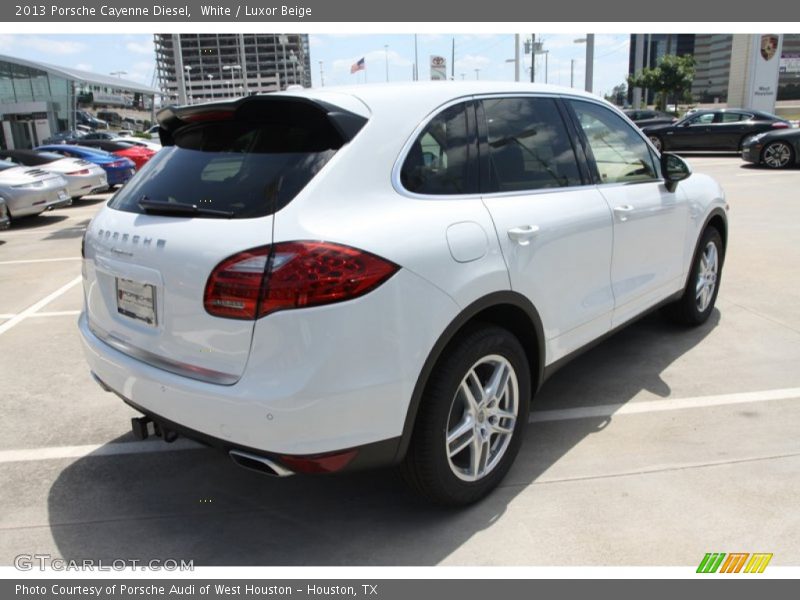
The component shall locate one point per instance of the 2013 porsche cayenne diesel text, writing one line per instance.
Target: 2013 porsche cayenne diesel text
(336, 279)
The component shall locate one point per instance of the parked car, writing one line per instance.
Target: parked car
(326, 280)
(723, 130)
(83, 177)
(5, 221)
(135, 141)
(109, 116)
(84, 118)
(31, 191)
(649, 117)
(100, 135)
(152, 133)
(118, 169)
(138, 154)
(775, 149)
(64, 137)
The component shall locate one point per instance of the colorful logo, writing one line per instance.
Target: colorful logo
(719, 562)
(769, 46)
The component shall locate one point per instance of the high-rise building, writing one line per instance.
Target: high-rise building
(200, 67)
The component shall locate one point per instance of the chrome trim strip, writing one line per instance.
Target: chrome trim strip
(166, 364)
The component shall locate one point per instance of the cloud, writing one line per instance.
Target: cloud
(373, 59)
(84, 67)
(470, 62)
(145, 47)
(48, 45)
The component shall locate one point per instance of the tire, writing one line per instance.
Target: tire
(448, 473)
(702, 286)
(777, 155)
(656, 141)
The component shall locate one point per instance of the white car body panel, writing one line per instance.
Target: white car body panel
(321, 379)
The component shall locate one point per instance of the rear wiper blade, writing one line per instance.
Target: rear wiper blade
(160, 207)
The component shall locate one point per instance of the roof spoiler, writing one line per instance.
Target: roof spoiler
(172, 118)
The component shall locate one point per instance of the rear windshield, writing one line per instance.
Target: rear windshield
(245, 168)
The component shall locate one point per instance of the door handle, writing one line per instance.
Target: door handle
(623, 211)
(523, 234)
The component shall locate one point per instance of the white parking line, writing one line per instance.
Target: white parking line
(53, 313)
(606, 410)
(38, 260)
(59, 452)
(633, 408)
(771, 173)
(16, 319)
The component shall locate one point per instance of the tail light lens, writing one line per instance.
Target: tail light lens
(81, 172)
(288, 275)
(118, 163)
(780, 125)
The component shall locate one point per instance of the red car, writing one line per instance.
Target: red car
(138, 154)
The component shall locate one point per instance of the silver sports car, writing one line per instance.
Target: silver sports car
(82, 177)
(30, 191)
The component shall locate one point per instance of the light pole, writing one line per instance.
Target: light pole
(211, 84)
(477, 73)
(119, 73)
(572, 72)
(283, 39)
(188, 69)
(293, 60)
(386, 51)
(589, 41)
(321, 75)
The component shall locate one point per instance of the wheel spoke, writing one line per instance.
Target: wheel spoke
(505, 429)
(460, 437)
(473, 390)
(497, 382)
(479, 450)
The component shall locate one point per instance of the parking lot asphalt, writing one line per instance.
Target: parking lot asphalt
(657, 446)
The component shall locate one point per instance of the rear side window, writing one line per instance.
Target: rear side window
(442, 160)
(529, 147)
(248, 166)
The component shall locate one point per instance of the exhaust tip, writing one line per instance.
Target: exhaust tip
(260, 464)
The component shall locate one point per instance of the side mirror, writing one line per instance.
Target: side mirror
(674, 169)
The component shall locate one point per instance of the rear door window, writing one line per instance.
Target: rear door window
(245, 167)
(529, 147)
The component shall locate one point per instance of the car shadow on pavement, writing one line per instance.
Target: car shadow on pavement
(196, 505)
(74, 231)
(41, 220)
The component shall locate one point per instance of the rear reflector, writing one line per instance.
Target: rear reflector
(780, 125)
(320, 463)
(289, 275)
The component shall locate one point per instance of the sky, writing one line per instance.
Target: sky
(488, 53)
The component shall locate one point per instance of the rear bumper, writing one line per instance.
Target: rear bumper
(119, 176)
(317, 381)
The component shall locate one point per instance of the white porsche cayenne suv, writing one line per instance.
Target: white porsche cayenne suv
(336, 279)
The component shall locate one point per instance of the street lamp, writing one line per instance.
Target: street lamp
(386, 50)
(321, 75)
(188, 79)
(477, 73)
(231, 68)
(211, 84)
(119, 73)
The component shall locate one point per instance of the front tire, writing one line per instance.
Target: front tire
(777, 155)
(471, 419)
(702, 286)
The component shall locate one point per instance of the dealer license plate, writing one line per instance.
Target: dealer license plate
(136, 300)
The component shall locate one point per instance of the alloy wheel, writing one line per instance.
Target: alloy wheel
(707, 276)
(777, 155)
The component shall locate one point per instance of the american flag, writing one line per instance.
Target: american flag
(358, 66)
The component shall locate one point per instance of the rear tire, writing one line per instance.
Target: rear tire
(702, 286)
(473, 413)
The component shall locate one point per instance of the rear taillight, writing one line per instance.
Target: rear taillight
(118, 163)
(81, 172)
(780, 125)
(263, 280)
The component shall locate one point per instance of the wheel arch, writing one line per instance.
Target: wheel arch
(506, 309)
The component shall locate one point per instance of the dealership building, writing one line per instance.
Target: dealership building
(38, 100)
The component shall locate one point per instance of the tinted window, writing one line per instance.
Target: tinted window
(728, 117)
(441, 160)
(249, 168)
(702, 119)
(621, 155)
(529, 147)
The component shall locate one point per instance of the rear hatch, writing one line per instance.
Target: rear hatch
(211, 193)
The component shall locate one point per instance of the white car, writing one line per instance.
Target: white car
(332, 279)
(83, 177)
(149, 144)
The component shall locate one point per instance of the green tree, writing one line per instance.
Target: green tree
(671, 79)
(618, 94)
